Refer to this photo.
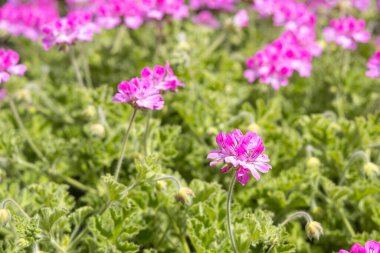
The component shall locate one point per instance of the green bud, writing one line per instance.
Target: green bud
(5, 216)
(312, 162)
(90, 112)
(254, 128)
(97, 130)
(314, 230)
(371, 169)
(185, 195)
(161, 185)
(23, 243)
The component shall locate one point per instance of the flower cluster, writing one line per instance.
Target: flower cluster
(27, 19)
(76, 26)
(224, 5)
(373, 66)
(347, 32)
(244, 153)
(369, 247)
(9, 66)
(275, 64)
(145, 92)
(361, 5)
(111, 13)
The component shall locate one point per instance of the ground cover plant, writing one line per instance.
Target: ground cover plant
(190, 126)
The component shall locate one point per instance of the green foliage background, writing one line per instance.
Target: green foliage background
(312, 117)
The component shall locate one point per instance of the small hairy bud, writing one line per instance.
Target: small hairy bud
(5, 216)
(371, 169)
(254, 128)
(90, 112)
(185, 195)
(314, 230)
(161, 185)
(313, 162)
(97, 130)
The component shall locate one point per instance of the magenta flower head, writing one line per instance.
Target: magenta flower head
(9, 65)
(369, 247)
(373, 66)
(347, 32)
(139, 93)
(162, 78)
(243, 153)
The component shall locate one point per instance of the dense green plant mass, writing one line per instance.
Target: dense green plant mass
(323, 146)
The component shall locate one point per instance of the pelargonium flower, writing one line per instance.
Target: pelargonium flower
(275, 64)
(225, 5)
(27, 18)
(162, 78)
(373, 66)
(9, 65)
(243, 153)
(369, 247)
(206, 18)
(76, 26)
(346, 32)
(241, 19)
(139, 93)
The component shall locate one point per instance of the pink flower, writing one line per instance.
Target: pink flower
(373, 66)
(242, 152)
(275, 64)
(9, 65)
(27, 19)
(346, 32)
(225, 5)
(241, 19)
(369, 247)
(76, 26)
(139, 93)
(162, 78)
(206, 18)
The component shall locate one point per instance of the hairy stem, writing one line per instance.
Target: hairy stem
(229, 224)
(358, 154)
(124, 147)
(179, 186)
(20, 124)
(75, 64)
(146, 134)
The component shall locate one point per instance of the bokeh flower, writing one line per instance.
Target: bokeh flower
(347, 32)
(373, 66)
(243, 153)
(369, 247)
(9, 66)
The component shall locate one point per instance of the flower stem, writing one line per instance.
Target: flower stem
(124, 147)
(347, 223)
(76, 67)
(13, 202)
(358, 154)
(229, 198)
(23, 129)
(87, 72)
(170, 178)
(297, 215)
(146, 134)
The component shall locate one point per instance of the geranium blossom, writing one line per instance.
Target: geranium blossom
(76, 26)
(27, 19)
(373, 66)
(347, 32)
(9, 66)
(241, 19)
(369, 247)
(145, 92)
(244, 153)
(140, 93)
(162, 78)
(275, 64)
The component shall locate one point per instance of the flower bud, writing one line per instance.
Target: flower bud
(90, 112)
(97, 130)
(185, 195)
(371, 169)
(314, 230)
(254, 128)
(161, 185)
(312, 162)
(5, 216)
